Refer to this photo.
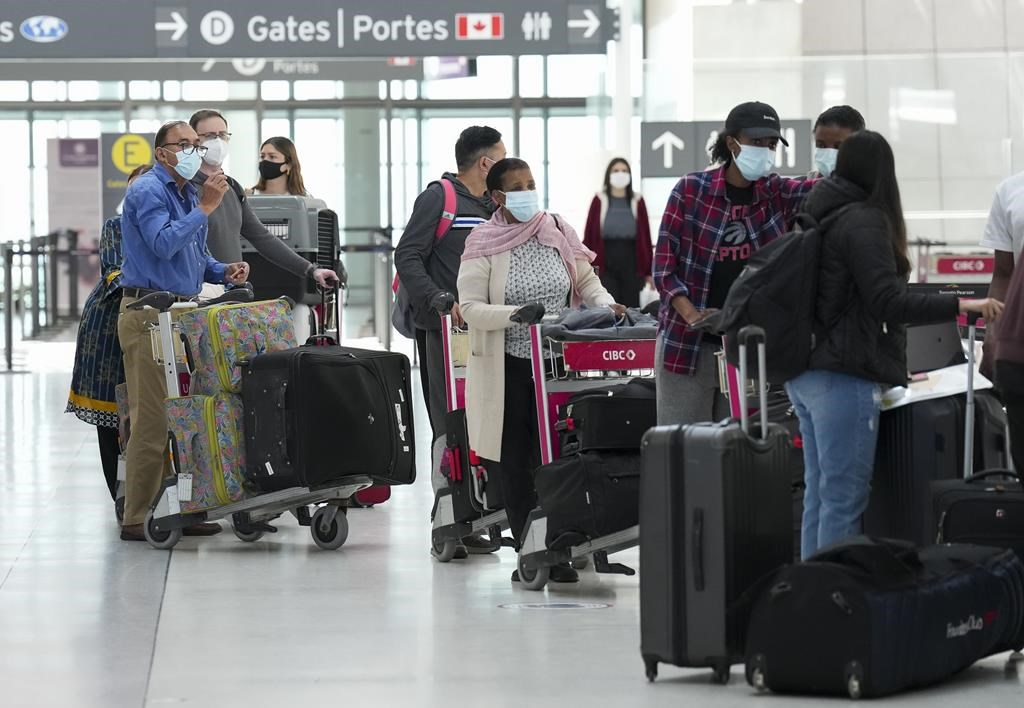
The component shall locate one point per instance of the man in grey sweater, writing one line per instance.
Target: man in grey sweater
(234, 220)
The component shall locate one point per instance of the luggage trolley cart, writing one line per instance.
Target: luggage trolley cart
(472, 500)
(164, 522)
(588, 363)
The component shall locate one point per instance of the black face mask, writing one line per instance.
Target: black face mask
(270, 170)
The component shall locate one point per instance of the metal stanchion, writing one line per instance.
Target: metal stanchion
(382, 269)
(8, 250)
(34, 285)
(51, 286)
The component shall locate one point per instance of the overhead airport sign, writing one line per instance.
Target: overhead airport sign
(672, 149)
(72, 29)
(213, 70)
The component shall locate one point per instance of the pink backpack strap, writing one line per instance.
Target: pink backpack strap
(447, 211)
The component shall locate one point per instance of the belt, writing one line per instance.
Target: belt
(142, 292)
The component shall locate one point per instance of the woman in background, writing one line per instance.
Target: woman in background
(619, 233)
(98, 365)
(280, 170)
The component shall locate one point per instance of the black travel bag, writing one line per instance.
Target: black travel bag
(868, 618)
(609, 418)
(927, 443)
(317, 414)
(985, 508)
(717, 515)
(588, 495)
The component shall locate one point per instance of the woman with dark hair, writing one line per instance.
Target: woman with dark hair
(98, 365)
(280, 170)
(516, 267)
(862, 306)
(713, 221)
(619, 233)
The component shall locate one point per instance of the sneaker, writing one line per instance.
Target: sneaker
(479, 544)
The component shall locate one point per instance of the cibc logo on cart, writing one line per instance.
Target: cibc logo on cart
(44, 29)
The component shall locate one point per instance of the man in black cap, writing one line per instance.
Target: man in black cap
(715, 219)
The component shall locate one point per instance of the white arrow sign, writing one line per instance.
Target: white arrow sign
(177, 25)
(668, 141)
(590, 24)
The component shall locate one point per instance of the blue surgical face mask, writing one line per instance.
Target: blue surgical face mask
(188, 164)
(755, 162)
(825, 160)
(523, 205)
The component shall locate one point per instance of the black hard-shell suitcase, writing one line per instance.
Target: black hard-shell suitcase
(985, 508)
(588, 495)
(314, 415)
(917, 444)
(716, 516)
(868, 617)
(610, 418)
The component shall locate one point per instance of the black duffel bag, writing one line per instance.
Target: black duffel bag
(588, 495)
(608, 418)
(869, 618)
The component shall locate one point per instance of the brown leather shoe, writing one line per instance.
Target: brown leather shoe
(209, 529)
(133, 532)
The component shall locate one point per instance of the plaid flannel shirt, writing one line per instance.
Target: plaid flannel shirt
(691, 230)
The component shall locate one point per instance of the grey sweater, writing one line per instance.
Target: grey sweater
(234, 219)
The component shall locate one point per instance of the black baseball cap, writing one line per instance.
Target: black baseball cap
(755, 120)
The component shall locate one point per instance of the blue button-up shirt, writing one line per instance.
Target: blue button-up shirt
(164, 237)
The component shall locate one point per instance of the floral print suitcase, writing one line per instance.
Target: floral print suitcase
(222, 335)
(207, 442)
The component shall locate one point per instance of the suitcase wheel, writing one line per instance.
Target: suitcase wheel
(329, 527)
(651, 668)
(854, 680)
(721, 674)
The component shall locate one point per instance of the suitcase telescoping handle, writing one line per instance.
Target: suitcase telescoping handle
(321, 337)
(972, 328)
(748, 333)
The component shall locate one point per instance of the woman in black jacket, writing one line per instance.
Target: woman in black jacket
(863, 304)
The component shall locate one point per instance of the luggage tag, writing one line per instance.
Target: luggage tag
(184, 487)
(122, 468)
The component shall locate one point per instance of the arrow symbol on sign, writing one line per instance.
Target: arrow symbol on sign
(177, 25)
(668, 141)
(589, 24)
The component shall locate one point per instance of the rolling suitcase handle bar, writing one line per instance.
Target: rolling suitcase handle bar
(321, 325)
(745, 335)
(972, 326)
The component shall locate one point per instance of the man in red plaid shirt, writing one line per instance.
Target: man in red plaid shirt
(713, 221)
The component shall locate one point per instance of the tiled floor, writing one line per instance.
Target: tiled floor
(87, 620)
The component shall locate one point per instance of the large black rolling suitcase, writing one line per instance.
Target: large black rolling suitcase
(317, 414)
(715, 517)
(869, 617)
(985, 508)
(610, 418)
(917, 444)
(928, 442)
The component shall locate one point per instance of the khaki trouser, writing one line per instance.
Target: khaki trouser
(148, 462)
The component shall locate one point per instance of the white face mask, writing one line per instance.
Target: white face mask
(216, 153)
(620, 180)
(825, 160)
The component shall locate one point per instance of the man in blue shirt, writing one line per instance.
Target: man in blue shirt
(163, 225)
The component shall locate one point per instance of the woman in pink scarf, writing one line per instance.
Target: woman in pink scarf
(518, 266)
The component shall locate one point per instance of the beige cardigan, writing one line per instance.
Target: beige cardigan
(482, 299)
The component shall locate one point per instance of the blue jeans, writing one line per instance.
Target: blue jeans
(839, 423)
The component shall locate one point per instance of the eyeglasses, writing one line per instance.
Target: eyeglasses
(188, 148)
(223, 135)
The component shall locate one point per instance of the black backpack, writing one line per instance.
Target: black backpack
(777, 291)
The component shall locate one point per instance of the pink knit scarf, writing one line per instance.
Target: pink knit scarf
(497, 235)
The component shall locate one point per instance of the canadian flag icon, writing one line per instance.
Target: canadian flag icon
(480, 25)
